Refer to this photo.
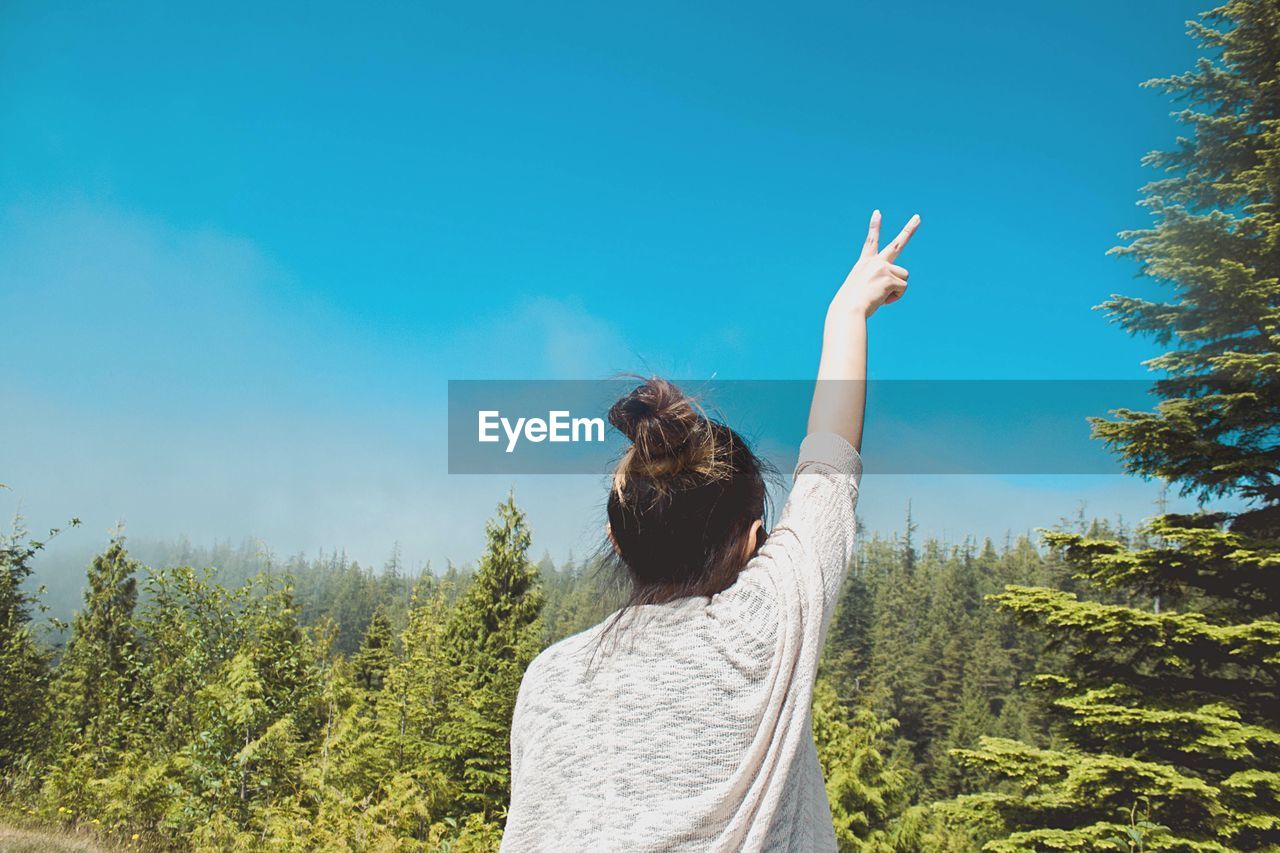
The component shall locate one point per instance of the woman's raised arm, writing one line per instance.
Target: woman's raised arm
(840, 395)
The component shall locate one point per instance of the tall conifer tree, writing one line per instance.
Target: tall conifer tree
(24, 663)
(94, 688)
(493, 634)
(1170, 703)
(377, 653)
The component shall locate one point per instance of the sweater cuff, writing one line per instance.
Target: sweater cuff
(830, 451)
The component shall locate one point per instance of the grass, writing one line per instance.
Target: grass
(16, 840)
(21, 836)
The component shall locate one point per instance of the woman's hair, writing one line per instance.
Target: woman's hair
(683, 497)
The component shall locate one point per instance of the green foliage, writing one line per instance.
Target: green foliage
(914, 641)
(1071, 800)
(918, 665)
(376, 655)
(218, 719)
(492, 635)
(94, 695)
(864, 791)
(1167, 703)
(244, 721)
(24, 664)
(1214, 243)
(578, 596)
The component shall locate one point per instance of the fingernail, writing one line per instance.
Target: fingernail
(875, 214)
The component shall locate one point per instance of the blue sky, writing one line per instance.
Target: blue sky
(243, 248)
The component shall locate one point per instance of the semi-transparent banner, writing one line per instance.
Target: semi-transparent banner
(912, 426)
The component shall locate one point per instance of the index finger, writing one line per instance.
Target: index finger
(872, 244)
(891, 251)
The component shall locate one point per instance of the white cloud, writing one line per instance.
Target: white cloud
(538, 338)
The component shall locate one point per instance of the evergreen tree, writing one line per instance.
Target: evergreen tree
(492, 635)
(847, 655)
(865, 793)
(1170, 703)
(417, 691)
(24, 663)
(897, 663)
(377, 653)
(948, 639)
(94, 689)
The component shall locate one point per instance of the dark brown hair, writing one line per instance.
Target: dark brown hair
(683, 497)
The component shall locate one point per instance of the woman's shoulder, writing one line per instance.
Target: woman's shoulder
(562, 657)
(751, 603)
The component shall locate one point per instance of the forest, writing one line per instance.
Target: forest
(1098, 687)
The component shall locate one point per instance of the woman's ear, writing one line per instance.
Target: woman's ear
(755, 538)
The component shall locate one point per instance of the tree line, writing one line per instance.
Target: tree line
(190, 711)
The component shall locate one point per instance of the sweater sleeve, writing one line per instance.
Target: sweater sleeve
(810, 548)
(528, 683)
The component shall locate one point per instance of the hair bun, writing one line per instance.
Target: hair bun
(669, 434)
(656, 414)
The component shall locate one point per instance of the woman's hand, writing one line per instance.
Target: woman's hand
(875, 279)
(840, 395)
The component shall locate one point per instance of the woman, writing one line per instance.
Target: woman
(683, 721)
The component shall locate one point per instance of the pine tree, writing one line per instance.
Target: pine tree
(24, 664)
(392, 759)
(865, 792)
(896, 676)
(1170, 703)
(847, 655)
(414, 699)
(377, 653)
(493, 634)
(94, 690)
(948, 639)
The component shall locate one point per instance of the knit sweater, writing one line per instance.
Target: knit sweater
(688, 725)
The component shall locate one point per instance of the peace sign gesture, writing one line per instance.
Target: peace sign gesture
(875, 279)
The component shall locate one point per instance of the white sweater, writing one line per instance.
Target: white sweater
(689, 727)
